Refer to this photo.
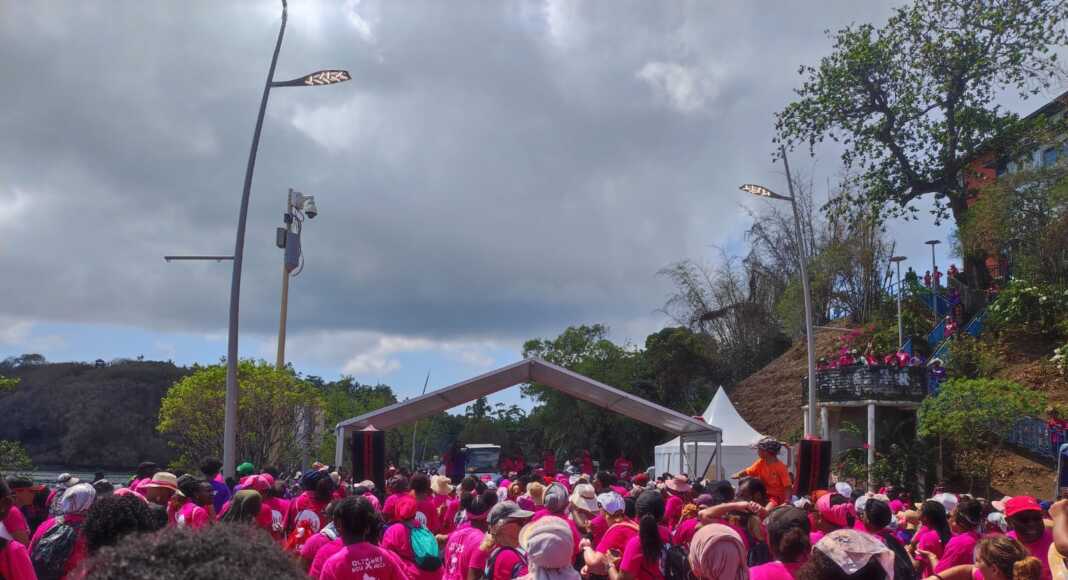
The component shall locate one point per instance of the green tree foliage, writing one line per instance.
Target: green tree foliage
(1031, 309)
(272, 405)
(972, 358)
(913, 101)
(78, 415)
(344, 399)
(1022, 218)
(8, 383)
(975, 416)
(14, 458)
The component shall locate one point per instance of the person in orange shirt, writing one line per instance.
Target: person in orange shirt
(770, 470)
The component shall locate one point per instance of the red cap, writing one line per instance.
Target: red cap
(1021, 503)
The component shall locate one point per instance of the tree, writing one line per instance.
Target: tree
(913, 102)
(13, 457)
(976, 416)
(7, 383)
(271, 407)
(343, 399)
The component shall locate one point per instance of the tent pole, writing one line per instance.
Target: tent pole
(719, 457)
(339, 448)
(682, 453)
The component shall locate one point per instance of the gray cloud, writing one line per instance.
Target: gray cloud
(494, 170)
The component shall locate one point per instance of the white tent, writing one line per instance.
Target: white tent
(738, 441)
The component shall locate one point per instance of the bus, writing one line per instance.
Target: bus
(482, 459)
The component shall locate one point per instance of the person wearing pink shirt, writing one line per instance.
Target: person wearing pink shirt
(307, 509)
(556, 501)
(788, 540)
(677, 488)
(960, 550)
(717, 553)
(641, 556)
(397, 487)
(1025, 519)
(397, 539)
(72, 507)
(196, 494)
(14, 557)
(462, 546)
(425, 510)
(931, 540)
(618, 531)
(498, 557)
(360, 559)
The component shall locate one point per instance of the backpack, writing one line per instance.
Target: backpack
(301, 534)
(517, 568)
(54, 549)
(675, 562)
(425, 548)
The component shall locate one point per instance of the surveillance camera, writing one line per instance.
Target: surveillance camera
(309, 208)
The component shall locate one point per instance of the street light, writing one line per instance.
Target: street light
(314, 79)
(298, 206)
(934, 278)
(802, 257)
(900, 329)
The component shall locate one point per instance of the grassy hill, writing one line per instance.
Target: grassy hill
(81, 416)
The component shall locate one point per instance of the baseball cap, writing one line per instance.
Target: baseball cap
(1020, 504)
(611, 502)
(507, 510)
(948, 501)
(843, 489)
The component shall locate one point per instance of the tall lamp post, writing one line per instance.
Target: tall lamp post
(802, 258)
(323, 77)
(934, 278)
(900, 328)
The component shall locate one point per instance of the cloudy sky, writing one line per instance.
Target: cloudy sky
(496, 171)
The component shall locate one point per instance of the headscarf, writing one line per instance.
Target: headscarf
(833, 514)
(245, 507)
(549, 543)
(851, 550)
(717, 552)
(77, 499)
(556, 498)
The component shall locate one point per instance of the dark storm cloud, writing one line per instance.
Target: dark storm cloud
(493, 169)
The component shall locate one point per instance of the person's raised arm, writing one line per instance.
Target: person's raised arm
(1059, 511)
(710, 514)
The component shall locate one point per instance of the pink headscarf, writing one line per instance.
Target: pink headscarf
(717, 552)
(836, 515)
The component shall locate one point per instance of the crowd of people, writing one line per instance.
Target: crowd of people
(533, 525)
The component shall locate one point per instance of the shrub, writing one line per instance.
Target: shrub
(972, 358)
(1031, 308)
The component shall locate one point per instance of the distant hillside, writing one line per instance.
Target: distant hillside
(81, 416)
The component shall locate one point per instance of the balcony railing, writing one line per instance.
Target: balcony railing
(869, 383)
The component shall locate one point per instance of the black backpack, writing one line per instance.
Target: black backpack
(675, 563)
(54, 549)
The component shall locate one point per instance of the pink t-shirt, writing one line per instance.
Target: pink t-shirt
(312, 546)
(959, 550)
(430, 514)
(191, 516)
(774, 571)
(684, 533)
(448, 520)
(896, 505)
(396, 540)
(503, 565)
(1040, 550)
(616, 537)
(598, 526)
(374, 501)
(322, 555)
(634, 562)
(305, 508)
(361, 561)
(15, 522)
(15, 562)
(929, 541)
(459, 551)
(673, 511)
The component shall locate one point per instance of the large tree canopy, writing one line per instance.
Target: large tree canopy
(914, 100)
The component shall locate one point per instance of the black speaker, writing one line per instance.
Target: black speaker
(369, 457)
(813, 466)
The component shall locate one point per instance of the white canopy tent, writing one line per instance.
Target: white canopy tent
(535, 370)
(737, 447)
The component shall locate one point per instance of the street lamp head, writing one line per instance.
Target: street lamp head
(898, 258)
(317, 78)
(933, 242)
(310, 209)
(761, 191)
